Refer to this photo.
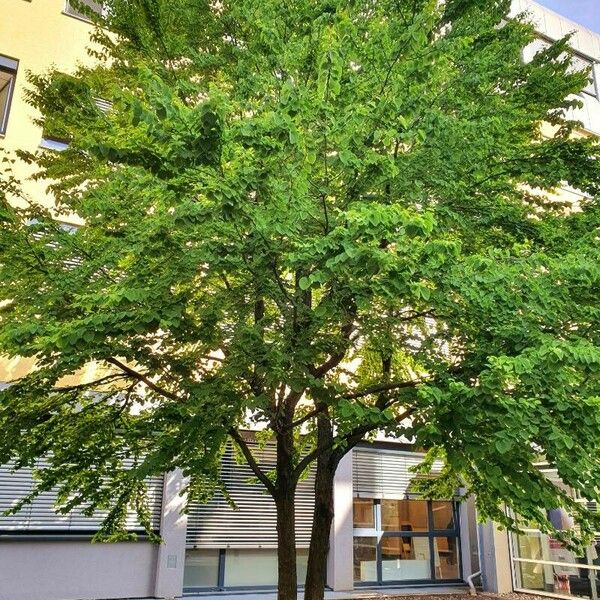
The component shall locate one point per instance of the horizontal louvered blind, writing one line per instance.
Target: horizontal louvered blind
(39, 516)
(384, 473)
(253, 525)
(103, 105)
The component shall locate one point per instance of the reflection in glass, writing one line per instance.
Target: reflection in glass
(364, 513)
(568, 578)
(258, 567)
(557, 579)
(365, 559)
(404, 515)
(405, 558)
(445, 554)
(201, 568)
(531, 575)
(443, 515)
(250, 567)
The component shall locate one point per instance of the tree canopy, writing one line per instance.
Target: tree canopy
(328, 219)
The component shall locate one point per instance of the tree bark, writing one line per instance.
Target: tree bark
(287, 583)
(327, 462)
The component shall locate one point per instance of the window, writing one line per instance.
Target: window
(233, 568)
(364, 515)
(365, 559)
(404, 515)
(50, 143)
(443, 515)
(543, 564)
(201, 569)
(579, 62)
(8, 74)
(72, 9)
(405, 540)
(40, 517)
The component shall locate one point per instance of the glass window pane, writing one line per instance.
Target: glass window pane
(365, 559)
(201, 568)
(301, 564)
(258, 567)
(404, 515)
(6, 82)
(538, 546)
(250, 567)
(405, 558)
(566, 579)
(91, 4)
(364, 513)
(557, 579)
(445, 554)
(443, 515)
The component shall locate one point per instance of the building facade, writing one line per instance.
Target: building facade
(383, 534)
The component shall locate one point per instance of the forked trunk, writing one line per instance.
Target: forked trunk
(316, 576)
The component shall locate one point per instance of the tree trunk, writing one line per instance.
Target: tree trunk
(287, 582)
(316, 576)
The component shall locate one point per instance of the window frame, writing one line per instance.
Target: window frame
(576, 54)
(71, 11)
(380, 534)
(11, 66)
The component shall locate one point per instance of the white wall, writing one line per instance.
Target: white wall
(584, 41)
(171, 553)
(57, 570)
(340, 565)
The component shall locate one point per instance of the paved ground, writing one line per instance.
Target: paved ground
(424, 592)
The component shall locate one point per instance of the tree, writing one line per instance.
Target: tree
(330, 218)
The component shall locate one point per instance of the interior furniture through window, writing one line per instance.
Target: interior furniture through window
(408, 540)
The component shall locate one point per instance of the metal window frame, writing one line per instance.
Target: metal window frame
(57, 535)
(586, 57)
(379, 534)
(10, 66)
(71, 11)
(221, 587)
(515, 560)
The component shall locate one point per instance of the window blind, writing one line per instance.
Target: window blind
(40, 516)
(253, 525)
(380, 473)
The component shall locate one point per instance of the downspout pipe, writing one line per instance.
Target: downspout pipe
(470, 578)
(480, 556)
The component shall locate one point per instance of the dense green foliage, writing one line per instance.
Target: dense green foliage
(310, 211)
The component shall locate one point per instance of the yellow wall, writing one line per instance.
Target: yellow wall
(39, 35)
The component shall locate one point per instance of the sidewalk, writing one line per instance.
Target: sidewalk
(357, 594)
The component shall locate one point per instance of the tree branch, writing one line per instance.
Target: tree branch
(352, 438)
(83, 386)
(335, 359)
(383, 387)
(357, 434)
(133, 373)
(243, 446)
(307, 417)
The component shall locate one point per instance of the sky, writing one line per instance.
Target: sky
(585, 12)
